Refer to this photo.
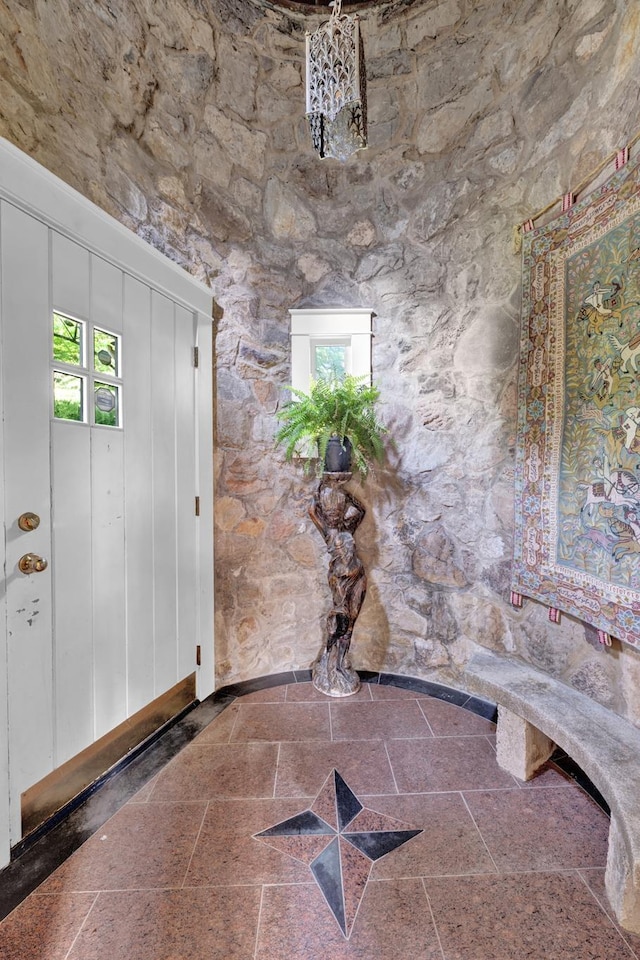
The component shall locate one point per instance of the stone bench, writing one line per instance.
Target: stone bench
(535, 712)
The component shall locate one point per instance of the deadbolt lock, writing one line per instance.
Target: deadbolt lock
(32, 563)
(28, 521)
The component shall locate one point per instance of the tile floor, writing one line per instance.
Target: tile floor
(500, 870)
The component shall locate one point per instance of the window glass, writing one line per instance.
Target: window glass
(107, 406)
(330, 361)
(67, 340)
(105, 352)
(68, 396)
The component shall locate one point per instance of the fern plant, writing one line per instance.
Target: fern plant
(336, 408)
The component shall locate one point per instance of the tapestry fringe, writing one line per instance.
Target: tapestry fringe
(622, 157)
(554, 615)
(516, 599)
(619, 159)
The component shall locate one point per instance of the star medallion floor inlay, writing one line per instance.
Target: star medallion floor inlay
(339, 839)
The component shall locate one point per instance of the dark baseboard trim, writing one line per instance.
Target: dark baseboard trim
(68, 808)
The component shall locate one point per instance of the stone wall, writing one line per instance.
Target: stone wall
(185, 120)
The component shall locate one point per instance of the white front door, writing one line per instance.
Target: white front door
(100, 442)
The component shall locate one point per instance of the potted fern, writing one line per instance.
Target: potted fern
(339, 417)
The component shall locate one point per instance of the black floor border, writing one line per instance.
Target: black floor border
(42, 852)
(571, 768)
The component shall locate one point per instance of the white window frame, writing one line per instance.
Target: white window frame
(347, 326)
(86, 372)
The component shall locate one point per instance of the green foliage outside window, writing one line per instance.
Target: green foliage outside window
(330, 362)
(67, 340)
(67, 397)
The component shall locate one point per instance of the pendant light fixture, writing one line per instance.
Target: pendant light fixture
(336, 86)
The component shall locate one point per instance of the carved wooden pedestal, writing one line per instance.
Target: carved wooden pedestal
(337, 514)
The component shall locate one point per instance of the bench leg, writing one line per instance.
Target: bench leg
(521, 747)
(620, 881)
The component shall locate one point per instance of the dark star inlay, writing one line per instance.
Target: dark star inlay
(340, 859)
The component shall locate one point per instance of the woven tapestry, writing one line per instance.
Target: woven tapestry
(577, 544)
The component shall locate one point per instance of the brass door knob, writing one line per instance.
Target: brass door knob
(32, 563)
(28, 521)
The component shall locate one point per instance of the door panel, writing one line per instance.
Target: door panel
(72, 569)
(138, 480)
(164, 489)
(108, 560)
(69, 276)
(107, 284)
(187, 567)
(25, 347)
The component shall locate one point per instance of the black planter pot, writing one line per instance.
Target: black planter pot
(337, 458)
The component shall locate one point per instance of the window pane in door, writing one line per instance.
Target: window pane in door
(105, 352)
(68, 396)
(67, 340)
(107, 404)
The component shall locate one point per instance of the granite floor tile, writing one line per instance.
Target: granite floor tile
(297, 692)
(44, 927)
(219, 730)
(227, 853)
(304, 767)
(448, 720)
(449, 844)
(393, 921)
(535, 916)
(382, 720)
(541, 829)
(356, 869)
(282, 721)
(548, 775)
(171, 925)
(247, 817)
(142, 845)
(446, 763)
(594, 879)
(205, 771)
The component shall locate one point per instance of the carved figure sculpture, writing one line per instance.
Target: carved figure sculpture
(337, 514)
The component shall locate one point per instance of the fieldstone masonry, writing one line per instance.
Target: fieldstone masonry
(185, 120)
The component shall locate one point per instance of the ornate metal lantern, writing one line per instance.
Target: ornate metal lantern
(336, 86)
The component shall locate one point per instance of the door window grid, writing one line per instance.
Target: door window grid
(86, 361)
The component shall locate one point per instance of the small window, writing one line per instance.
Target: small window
(327, 344)
(106, 404)
(68, 396)
(68, 336)
(330, 359)
(105, 352)
(80, 372)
